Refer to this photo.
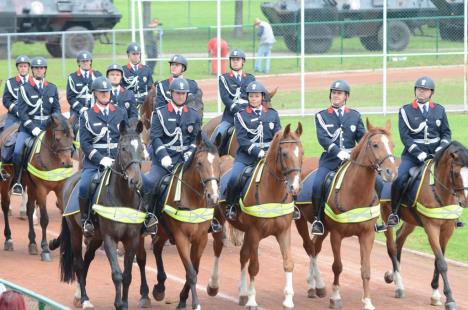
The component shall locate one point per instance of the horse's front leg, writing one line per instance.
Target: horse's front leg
(196, 252)
(284, 240)
(30, 206)
(366, 240)
(218, 244)
(144, 302)
(183, 247)
(131, 246)
(252, 241)
(44, 221)
(8, 245)
(337, 267)
(159, 288)
(110, 247)
(90, 252)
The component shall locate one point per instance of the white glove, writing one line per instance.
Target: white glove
(106, 162)
(83, 109)
(438, 149)
(343, 155)
(166, 161)
(261, 154)
(422, 156)
(36, 131)
(187, 155)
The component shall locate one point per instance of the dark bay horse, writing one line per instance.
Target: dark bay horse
(211, 125)
(353, 207)
(277, 184)
(117, 204)
(443, 194)
(187, 220)
(49, 166)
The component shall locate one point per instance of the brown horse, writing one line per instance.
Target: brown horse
(119, 193)
(355, 193)
(49, 166)
(438, 206)
(277, 185)
(211, 125)
(187, 220)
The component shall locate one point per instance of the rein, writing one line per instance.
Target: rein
(375, 163)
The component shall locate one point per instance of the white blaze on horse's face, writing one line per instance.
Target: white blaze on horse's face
(214, 183)
(464, 175)
(386, 143)
(135, 144)
(297, 178)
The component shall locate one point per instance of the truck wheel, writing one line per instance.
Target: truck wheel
(398, 35)
(318, 44)
(451, 33)
(77, 42)
(54, 48)
(371, 43)
(291, 43)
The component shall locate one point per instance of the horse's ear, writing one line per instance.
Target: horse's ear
(388, 125)
(139, 127)
(199, 138)
(369, 125)
(454, 155)
(72, 118)
(273, 93)
(287, 130)
(299, 129)
(123, 128)
(218, 141)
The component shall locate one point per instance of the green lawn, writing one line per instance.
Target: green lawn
(457, 248)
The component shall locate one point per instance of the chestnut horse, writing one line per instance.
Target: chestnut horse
(373, 154)
(187, 220)
(443, 194)
(273, 193)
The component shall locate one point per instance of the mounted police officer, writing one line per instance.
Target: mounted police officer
(10, 94)
(99, 137)
(232, 89)
(174, 129)
(37, 101)
(121, 97)
(178, 65)
(136, 76)
(256, 126)
(338, 130)
(424, 130)
(79, 95)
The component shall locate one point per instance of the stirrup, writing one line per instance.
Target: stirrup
(379, 228)
(317, 228)
(216, 227)
(88, 229)
(296, 213)
(393, 220)
(4, 175)
(231, 213)
(17, 189)
(459, 224)
(151, 224)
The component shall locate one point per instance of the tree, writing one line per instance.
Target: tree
(238, 18)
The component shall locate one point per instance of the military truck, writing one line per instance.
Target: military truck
(326, 19)
(20, 16)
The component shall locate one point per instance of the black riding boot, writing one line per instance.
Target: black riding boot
(393, 218)
(86, 223)
(17, 188)
(151, 221)
(317, 226)
(378, 189)
(231, 209)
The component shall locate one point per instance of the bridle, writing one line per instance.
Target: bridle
(122, 168)
(279, 158)
(376, 163)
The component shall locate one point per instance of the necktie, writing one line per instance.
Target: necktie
(135, 68)
(23, 79)
(40, 86)
(115, 94)
(106, 113)
(239, 78)
(85, 75)
(340, 115)
(425, 111)
(258, 112)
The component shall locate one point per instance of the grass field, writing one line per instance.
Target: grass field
(457, 248)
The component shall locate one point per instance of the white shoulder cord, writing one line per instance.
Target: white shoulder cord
(97, 136)
(333, 136)
(10, 90)
(258, 133)
(422, 126)
(177, 134)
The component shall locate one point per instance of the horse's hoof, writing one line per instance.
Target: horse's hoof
(450, 306)
(181, 307)
(77, 302)
(252, 308)
(288, 308)
(336, 304)
(436, 302)
(158, 294)
(32, 248)
(388, 277)
(87, 305)
(321, 292)
(212, 291)
(312, 293)
(243, 300)
(8, 245)
(399, 293)
(144, 303)
(45, 257)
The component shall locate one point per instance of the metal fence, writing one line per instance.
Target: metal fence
(380, 47)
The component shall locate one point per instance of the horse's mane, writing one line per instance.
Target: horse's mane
(62, 120)
(375, 130)
(455, 147)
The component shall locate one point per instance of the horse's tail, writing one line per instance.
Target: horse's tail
(67, 272)
(235, 235)
(55, 243)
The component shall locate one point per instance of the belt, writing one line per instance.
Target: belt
(179, 148)
(138, 95)
(41, 118)
(262, 145)
(105, 145)
(427, 141)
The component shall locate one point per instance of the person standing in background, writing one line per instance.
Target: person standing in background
(267, 39)
(151, 42)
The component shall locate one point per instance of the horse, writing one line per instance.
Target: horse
(442, 195)
(273, 192)
(117, 204)
(187, 220)
(351, 210)
(211, 125)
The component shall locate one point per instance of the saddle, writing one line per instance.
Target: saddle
(240, 185)
(226, 138)
(160, 191)
(7, 142)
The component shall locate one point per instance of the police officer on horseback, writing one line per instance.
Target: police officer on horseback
(174, 129)
(121, 97)
(99, 138)
(256, 126)
(137, 77)
(424, 130)
(339, 128)
(232, 89)
(178, 65)
(37, 101)
(79, 95)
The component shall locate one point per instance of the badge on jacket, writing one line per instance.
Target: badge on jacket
(51, 100)
(127, 105)
(144, 79)
(438, 123)
(353, 128)
(190, 128)
(271, 125)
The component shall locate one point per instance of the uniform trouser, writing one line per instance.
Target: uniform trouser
(152, 177)
(222, 129)
(403, 173)
(19, 146)
(10, 120)
(232, 188)
(84, 189)
(263, 53)
(318, 182)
